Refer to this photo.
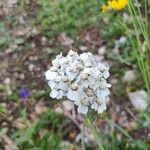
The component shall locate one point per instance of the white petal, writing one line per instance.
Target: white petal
(108, 85)
(87, 71)
(85, 101)
(59, 56)
(54, 93)
(87, 63)
(77, 102)
(63, 86)
(102, 94)
(52, 84)
(71, 76)
(65, 93)
(50, 75)
(55, 62)
(83, 109)
(106, 74)
(106, 91)
(107, 99)
(101, 67)
(71, 53)
(96, 74)
(84, 56)
(54, 68)
(72, 56)
(80, 94)
(61, 61)
(85, 84)
(60, 94)
(96, 85)
(92, 81)
(102, 108)
(103, 84)
(72, 95)
(94, 106)
(91, 100)
(58, 79)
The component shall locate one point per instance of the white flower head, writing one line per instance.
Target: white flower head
(81, 79)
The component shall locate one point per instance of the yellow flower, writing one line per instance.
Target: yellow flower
(115, 5)
(105, 8)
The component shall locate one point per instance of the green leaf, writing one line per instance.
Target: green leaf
(3, 131)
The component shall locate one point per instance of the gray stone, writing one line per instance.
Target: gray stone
(129, 76)
(139, 100)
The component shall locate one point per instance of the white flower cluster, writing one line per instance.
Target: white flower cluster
(81, 79)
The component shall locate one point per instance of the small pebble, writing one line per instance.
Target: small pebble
(83, 48)
(68, 105)
(129, 76)
(12, 1)
(31, 67)
(34, 32)
(48, 50)
(7, 81)
(40, 108)
(58, 110)
(102, 50)
(22, 76)
(8, 50)
(139, 100)
(14, 46)
(43, 40)
(98, 58)
(33, 45)
(16, 75)
(113, 81)
(1, 4)
(123, 40)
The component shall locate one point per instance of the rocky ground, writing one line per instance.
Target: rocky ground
(26, 53)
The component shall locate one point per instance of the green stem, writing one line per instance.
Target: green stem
(123, 131)
(137, 51)
(112, 136)
(95, 132)
(83, 129)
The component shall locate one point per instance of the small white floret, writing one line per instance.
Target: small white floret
(83, 109)
(54, 93)
(81, 79)
(50, 75)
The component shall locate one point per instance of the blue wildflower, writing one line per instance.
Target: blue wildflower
(23, 94)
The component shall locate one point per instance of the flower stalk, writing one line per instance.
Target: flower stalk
(142, 57)
(95, 132)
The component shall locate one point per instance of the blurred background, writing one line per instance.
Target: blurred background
(32, 33)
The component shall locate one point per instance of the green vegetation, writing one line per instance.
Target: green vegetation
(69, 16)
(34, 124)
(41, 135)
